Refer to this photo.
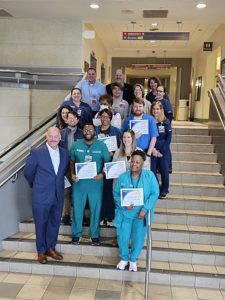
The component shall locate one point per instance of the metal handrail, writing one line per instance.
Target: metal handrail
(27, 135)
(221, 81)
(148, 255)
(39, 73)
(217, 110)
(11, 175)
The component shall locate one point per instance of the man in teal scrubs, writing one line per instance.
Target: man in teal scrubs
(88, 149)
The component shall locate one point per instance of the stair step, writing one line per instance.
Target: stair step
(192, 202)
(200, 177)
(195, 166)
(161, 232)
(161, 250)
(178, 130)
(195, 275)
(195, 139)
(185, 147)
(194, 156)
(189, 217)
(198, 189)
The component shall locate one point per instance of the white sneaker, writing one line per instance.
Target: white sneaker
(122, 265)
(132, 266)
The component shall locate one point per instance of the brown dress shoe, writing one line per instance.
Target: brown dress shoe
(54, 254)
(41, 258)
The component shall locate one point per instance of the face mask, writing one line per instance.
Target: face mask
(103, 107)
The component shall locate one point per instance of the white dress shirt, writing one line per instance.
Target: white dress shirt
(55, 157)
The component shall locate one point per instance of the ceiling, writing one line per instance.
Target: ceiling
(115, 16)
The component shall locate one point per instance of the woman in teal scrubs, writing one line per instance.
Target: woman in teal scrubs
(130, 221)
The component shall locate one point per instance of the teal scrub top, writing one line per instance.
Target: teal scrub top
(96, 152)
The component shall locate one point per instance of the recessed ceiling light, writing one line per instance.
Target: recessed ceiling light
(154, 24)
(201, 5)
(94, 6)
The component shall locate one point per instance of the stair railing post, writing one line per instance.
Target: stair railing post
(148, 254)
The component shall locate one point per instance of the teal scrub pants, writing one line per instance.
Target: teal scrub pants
(83, 189)
(134, 230)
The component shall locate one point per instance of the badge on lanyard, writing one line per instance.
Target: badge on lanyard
(79, 112)
(88, 157)
(161, 129)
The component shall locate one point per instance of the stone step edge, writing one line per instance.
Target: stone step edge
(189, 212)
(194, 198)
(112, 267)
(195, 162)
(197, 173)
(79, 247)
(161, 227)
(188, 152)
(199, 185)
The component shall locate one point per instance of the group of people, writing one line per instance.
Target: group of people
(142, 131)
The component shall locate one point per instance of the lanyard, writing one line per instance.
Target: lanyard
(132, 181)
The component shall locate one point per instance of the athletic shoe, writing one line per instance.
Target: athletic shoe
(102, 223)
(162, 196)
(132, 266)
(95, 242)
(110, 224)
(122, 265)
(75, 241)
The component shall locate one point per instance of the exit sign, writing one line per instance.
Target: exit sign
(208, 46)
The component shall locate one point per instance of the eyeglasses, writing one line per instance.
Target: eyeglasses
(105, 117)
(89, 130)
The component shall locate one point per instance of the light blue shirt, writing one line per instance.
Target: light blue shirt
(91, 93)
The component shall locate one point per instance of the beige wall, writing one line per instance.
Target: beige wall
(17, 104)
(38, 43)
(14, 114)
(95, 45)
(206, 66)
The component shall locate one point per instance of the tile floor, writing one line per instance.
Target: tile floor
(42, 287)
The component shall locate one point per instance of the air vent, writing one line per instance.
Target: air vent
(4, 13)
(155, 13)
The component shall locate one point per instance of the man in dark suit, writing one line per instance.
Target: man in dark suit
(44, 170)
(128, 91)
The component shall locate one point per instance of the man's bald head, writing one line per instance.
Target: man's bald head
(53, 137)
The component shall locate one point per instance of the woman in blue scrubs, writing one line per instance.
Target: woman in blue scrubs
(160, 158)
(130, 221)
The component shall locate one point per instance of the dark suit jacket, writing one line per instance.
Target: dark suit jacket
(128, 92)
(39, 172)
(64, 136)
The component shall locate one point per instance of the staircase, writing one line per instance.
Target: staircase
(188, 232)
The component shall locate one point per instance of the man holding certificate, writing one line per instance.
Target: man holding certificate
(143, 125)
(87, 158)
(135, 193)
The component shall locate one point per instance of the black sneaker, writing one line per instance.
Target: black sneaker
(75, 241)
(162, 196)
(95, 242)
(66, 220)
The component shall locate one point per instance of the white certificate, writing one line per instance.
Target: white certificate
(140, 126)
(110, 142)
(97, 122)
(86, 170)
(114, 169)
(131, 196)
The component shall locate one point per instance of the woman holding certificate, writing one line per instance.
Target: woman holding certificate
(107, 131)
(135, 193)
(127, 147)
(160, 158)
